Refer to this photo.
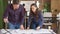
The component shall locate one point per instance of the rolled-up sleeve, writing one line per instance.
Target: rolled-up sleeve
(41, 19)
(29, 20)
(5, 15)
(23, 15)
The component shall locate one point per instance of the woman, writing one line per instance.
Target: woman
(35, 20)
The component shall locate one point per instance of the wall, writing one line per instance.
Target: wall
(3, 4)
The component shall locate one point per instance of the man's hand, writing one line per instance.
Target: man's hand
(5, 20)
(38, 28)
(21, 27)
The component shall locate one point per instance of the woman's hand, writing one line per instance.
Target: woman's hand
(27, 27)
(21, 27)
(38, 28)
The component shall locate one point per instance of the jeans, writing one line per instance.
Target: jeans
(13, 26)
(34, 25)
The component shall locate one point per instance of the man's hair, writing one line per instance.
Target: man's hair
(15, 1)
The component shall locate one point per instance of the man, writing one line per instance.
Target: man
(14, 15)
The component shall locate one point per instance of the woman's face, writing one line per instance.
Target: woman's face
(33, 8)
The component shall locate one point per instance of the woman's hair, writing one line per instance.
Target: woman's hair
(31, 8)
(36, 12)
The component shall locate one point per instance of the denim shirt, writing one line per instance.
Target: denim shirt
(32, 19)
